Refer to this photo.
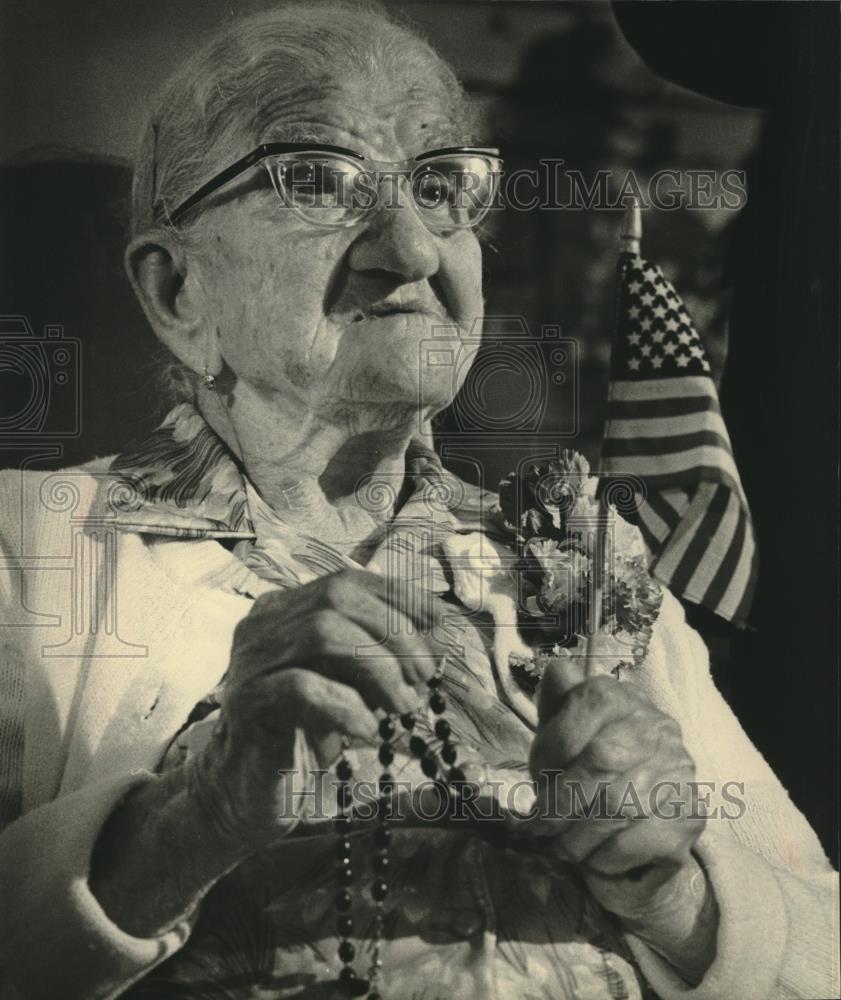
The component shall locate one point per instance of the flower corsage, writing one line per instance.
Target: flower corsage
(583, 581)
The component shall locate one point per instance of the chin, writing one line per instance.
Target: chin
(382, 397)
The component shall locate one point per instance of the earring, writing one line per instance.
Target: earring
(208, 380)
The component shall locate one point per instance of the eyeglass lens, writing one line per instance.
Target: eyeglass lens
(450, 191)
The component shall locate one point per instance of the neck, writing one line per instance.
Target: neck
(334, 478)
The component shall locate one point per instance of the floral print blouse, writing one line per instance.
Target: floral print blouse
(475, 908)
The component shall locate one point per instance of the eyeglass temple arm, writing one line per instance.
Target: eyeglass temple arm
(243, 164)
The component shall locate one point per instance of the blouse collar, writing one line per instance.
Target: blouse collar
(182, 481)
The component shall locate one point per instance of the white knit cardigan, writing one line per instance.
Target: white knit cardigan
(109, 640)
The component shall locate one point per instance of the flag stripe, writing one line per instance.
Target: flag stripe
(655, 527)
(671, 427)
(672, 444)
(664, 510)
(662, 388)
(703, 539)
(681, 537)
(726, 571)
(743, 579)
(678, 500)
(652, 535)
(677, 469)
(743, 609)
(646, 406)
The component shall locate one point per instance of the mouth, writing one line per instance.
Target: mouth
(379, 310)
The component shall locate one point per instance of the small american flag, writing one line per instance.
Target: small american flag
(664, 426)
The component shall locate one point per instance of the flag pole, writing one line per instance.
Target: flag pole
(630, 239)
(631, 235)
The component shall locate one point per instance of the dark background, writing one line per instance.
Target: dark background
(693, 85)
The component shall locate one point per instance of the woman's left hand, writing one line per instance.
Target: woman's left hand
(616, 750)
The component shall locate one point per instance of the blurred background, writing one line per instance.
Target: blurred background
(553, 80)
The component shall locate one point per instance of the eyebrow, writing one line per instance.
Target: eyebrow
(440, 135)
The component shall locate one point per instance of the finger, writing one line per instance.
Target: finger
(640, 739)
(629, 893)
(561, 676)
(600, 810)
(584, 813)
(583, 712)
(326, 642)
(636, 803)
(389, 629)
(594, 798)
(311, 701)
(380, 678)
(418, 604)
(652, 841)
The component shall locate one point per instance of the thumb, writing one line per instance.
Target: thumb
(562, 674)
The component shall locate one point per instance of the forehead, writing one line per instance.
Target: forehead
(380, 117)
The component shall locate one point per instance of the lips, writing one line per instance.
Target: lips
(395, 308)
(391, 310)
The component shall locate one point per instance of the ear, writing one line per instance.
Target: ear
(170, 293)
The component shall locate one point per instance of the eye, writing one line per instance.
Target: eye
(324, 189)
(320, 182)
(432, 189)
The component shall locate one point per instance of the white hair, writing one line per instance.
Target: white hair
(247, 84)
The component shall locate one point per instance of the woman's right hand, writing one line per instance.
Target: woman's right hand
(322, 657)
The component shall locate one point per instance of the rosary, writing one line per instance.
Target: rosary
(440, 765)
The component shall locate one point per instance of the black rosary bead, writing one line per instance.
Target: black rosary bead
(429, 766)
(387, 729)
(343, 901)
(456, 776)
(386, 783)
(437, 703)
(351, 983)
(442, 729)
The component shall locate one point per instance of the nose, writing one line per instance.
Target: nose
(396, 240)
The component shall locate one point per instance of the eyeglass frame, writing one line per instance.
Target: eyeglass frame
(267, 149)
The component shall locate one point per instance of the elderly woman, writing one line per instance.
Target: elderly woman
(238, 628)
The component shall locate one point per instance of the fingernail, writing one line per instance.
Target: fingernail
(409, 699)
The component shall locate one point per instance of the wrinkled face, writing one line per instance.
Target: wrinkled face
(337, 320)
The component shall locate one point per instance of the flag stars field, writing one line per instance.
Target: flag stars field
(656, 317)
(665, 428)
